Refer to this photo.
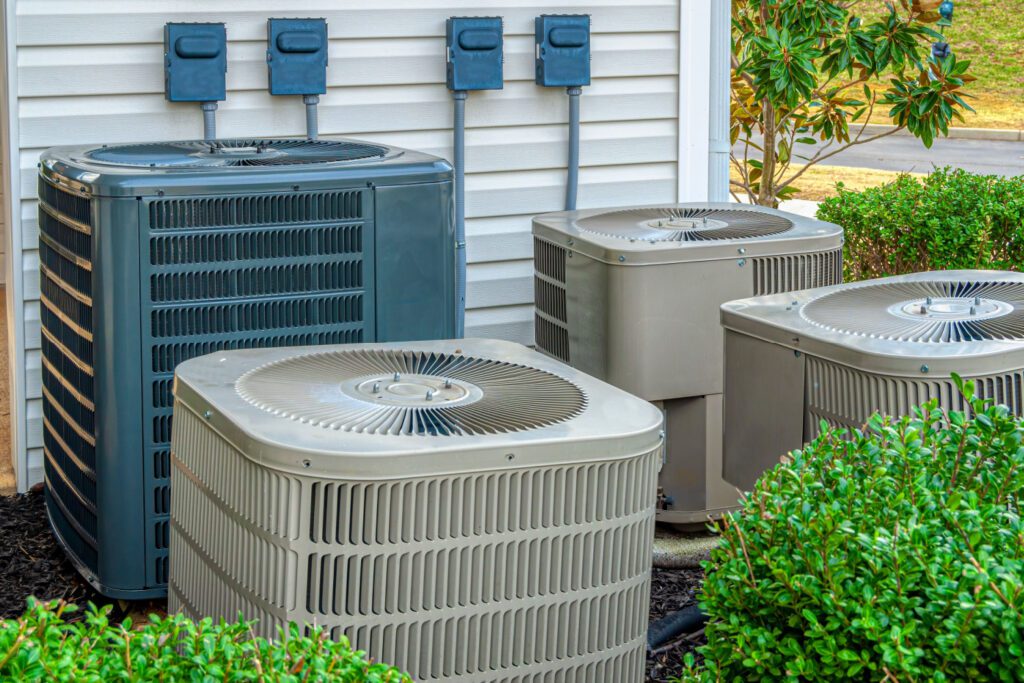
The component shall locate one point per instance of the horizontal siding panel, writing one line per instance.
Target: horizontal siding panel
(34, 417)
(507, 283)
(46, 122)
(111, 22)
(138, 69)
(514, 323)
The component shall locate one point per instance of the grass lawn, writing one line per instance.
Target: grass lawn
(820, 182)
(990, 33)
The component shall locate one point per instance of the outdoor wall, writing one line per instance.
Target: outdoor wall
(91, 72)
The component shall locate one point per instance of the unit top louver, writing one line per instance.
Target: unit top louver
(682, 224)
(411, 393)
(242, 152)
(681, 232)
(968, 322)
(389, 408)
(210, 167)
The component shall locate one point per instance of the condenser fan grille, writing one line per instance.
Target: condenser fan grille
(924, 311)
(240, 152)
(680, 224)
(411, 393)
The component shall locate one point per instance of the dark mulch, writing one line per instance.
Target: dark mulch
(672, 590)
(31, 563)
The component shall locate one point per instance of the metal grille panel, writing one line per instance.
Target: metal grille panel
(223, 273)
(777, 274)
(515, 575)
(69, 419)
(845, 398)
(551, 326)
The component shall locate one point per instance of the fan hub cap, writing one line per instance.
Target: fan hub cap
(679, 223)
(950, 308)
(412, 390)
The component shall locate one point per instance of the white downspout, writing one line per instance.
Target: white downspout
(13, 247)
(694, 98)
(719, 99)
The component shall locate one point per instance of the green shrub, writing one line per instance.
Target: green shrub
(893, 555)
(44, 646)
(948, 220)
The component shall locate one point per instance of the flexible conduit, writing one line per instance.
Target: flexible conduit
(312, 127)
(460, 210)
(573, 179)
(209, 120)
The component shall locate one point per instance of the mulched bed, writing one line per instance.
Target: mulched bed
(31, 563)
(671, 591)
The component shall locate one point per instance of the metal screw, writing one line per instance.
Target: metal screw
(447, 384)
(928, 301)
(974, 310)
(923, 309)
(622, 258)
(742, 262)
(430, 394)
(797, 354)
(742, 250)
(977, 301)
(924, 368)
(376, 387)
(208, 414)
(397, 376)
(510, 456)
(572, 242)
(306, 463)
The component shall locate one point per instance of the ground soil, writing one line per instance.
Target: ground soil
(31, 563)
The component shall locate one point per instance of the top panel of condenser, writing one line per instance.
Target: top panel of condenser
(195, 62)
(474, 46)
(297, 56)
(563, 49)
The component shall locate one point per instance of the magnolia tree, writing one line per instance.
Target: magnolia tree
(811, 72)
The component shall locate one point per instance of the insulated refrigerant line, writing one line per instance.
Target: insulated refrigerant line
(311, 115)
(573, 178)
(459, 154)
(209, 120)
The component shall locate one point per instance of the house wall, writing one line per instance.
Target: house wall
(91, 72)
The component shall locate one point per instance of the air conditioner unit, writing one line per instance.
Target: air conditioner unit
(468, 510)
(151, 254)
(632, 296)
(838, 354)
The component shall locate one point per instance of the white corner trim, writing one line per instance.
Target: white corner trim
(10, 142)
(694, 98)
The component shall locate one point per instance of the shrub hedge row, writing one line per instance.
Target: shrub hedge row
(893, 554)
(44, 645)
(948, 220)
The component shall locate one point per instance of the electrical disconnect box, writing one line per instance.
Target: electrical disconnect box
(195, 62)
(474, 53)
(297, 56)
(563, 50)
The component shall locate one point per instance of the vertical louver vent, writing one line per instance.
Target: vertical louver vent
(69, 419)
(551, 318)
(244, 272)
(777, 274)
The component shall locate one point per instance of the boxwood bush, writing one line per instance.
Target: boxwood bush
(896, 554)
(950, 219)
(44, 645)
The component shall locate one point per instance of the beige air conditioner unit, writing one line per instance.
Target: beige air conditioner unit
(838, 354)
(467, 510)
(632, 296)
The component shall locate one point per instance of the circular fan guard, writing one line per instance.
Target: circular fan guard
(924, 311)
(240, 152)
(411, 393)
(672, 224)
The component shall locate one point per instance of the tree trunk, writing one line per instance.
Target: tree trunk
(766, 197)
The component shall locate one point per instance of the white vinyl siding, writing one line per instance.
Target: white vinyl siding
(91, 72)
